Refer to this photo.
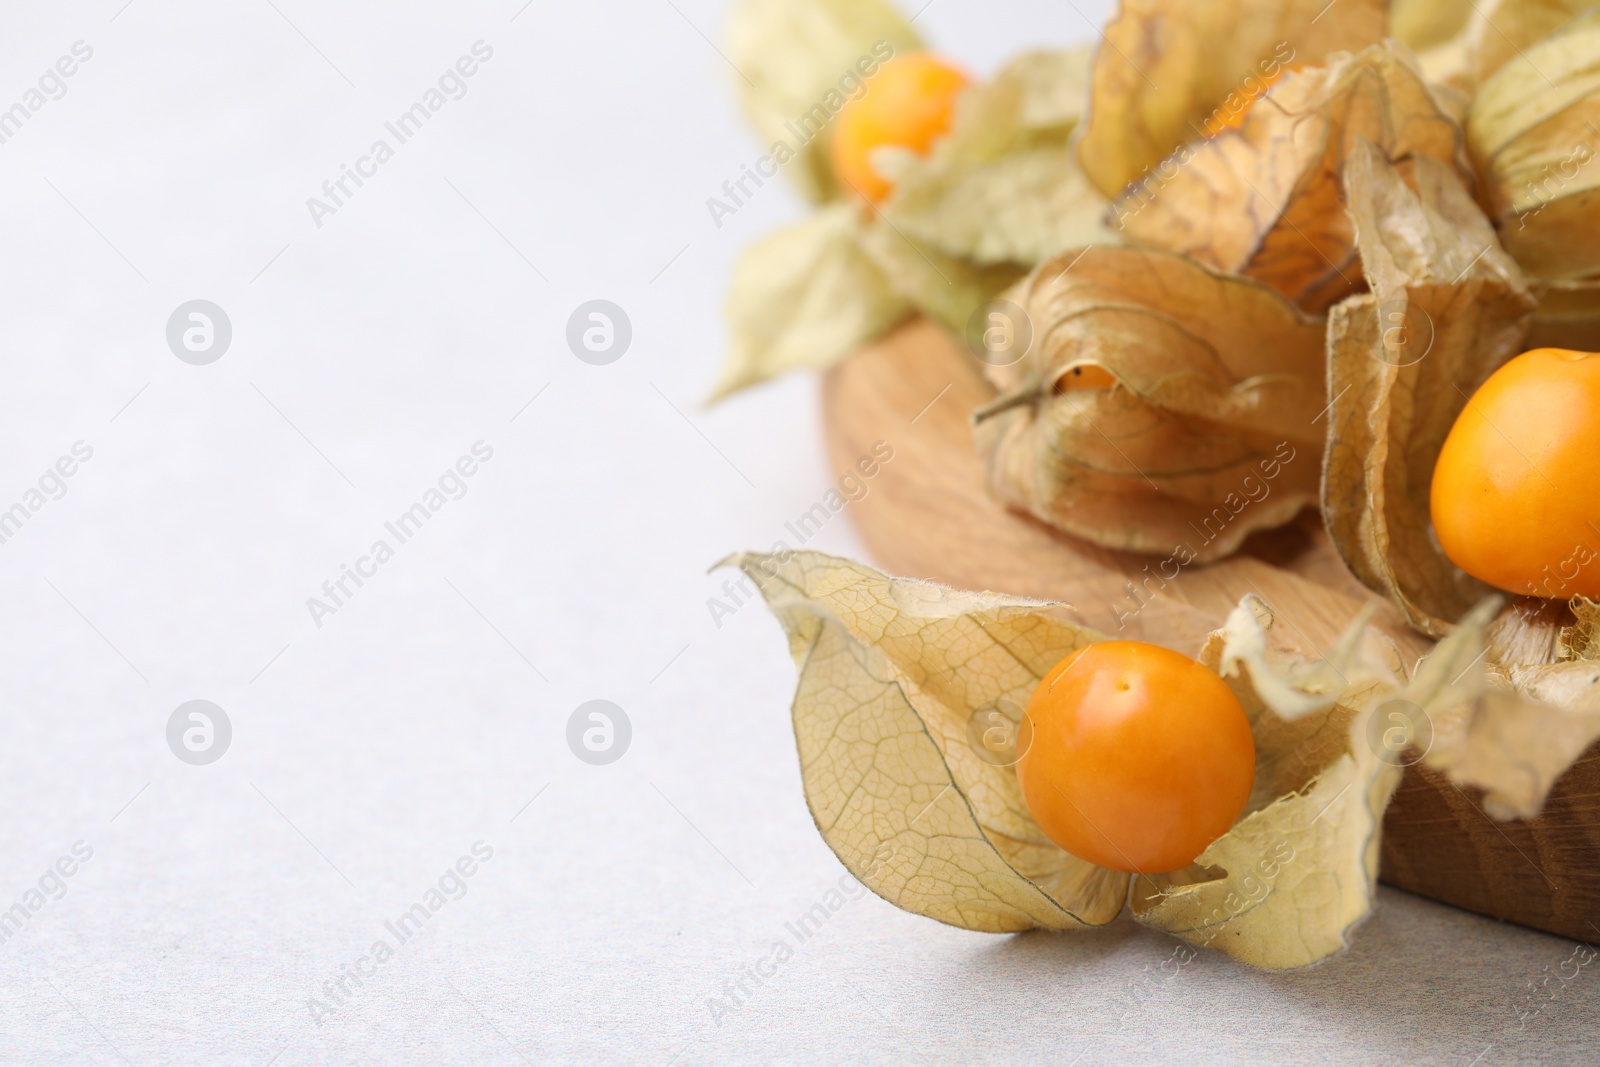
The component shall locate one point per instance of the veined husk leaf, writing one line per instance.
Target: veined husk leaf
(1163, 66)
(945, 287)
(804, 297)
(1004, 185)
(891, 673)
(1210, 431)
(894, 671)
(1454, 308)
(1534, 129)
(790, 56)
(1302, 862)
(1266, 199)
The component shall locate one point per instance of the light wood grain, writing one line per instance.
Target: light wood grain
(927, 514)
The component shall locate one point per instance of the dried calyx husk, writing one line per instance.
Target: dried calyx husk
(1500, 30)
(1004, 186)
(803, 298)
(1447, 308)
(1538, 713)
(902, 683)
(998, 193)
(1534, 131)
(790, 57)
(1265, 199)
(1169, 67)
(1448, 305)
(1161, 407)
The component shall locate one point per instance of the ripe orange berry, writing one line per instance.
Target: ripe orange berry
(1086, 376)
(909, 103)
(1516, 491)
(1135, 757)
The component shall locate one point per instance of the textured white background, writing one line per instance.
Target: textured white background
(375, 750)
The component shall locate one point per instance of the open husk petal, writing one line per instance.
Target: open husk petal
(789, 56)
(804, 297)
(948, 288)
(1004, 185)
(1164, 66)
(1537, 707)
(1210, 431)
(1447, 308)
(1299, 870)
(1266, 199)
(892, 674)
(900, 680)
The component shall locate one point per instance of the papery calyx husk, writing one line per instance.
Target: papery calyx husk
(1538, 710)
(1534, 129)
(996, 195)
(803, 298)
(1500, 30)
(1301, 864)
(1164, 67)
(797, 62)
(1447, 308)
(1265, 199)
(947, 288)
(901, 682)
(892, 674)
(1003, 186)
(1209, 432)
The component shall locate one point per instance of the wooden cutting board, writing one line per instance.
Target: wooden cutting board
(927, 515)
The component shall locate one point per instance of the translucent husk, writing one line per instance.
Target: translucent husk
(999, 193)
(1266, 199)
(1210, 428)
(1447, 308)
(1164, 67)
(894, 674)
(1534, 130)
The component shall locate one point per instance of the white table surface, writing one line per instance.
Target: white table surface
(371, 752)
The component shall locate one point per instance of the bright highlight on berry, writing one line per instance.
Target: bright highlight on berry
(908, 104)
(1516, 491)
(1135, 757)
